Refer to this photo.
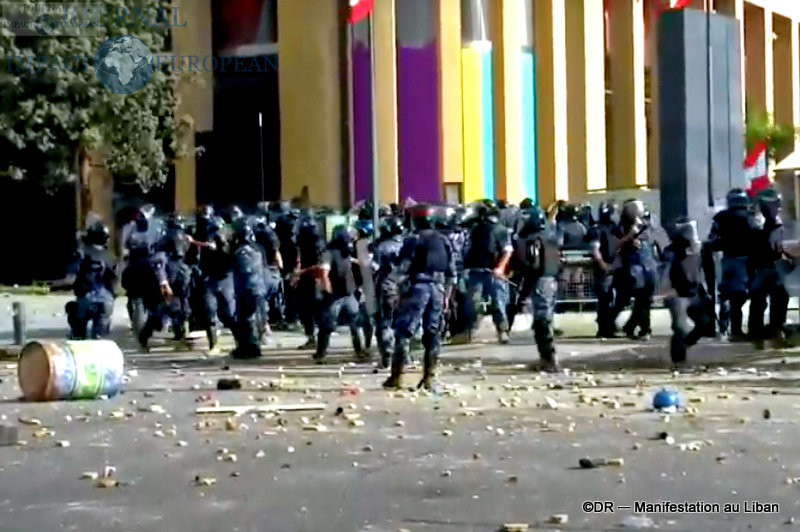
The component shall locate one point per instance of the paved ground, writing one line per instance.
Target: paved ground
(490, 450)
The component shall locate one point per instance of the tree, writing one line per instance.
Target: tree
(50, 115)
(761, 127)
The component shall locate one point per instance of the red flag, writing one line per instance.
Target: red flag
(680, 4)
(359, 9)
(755, 168)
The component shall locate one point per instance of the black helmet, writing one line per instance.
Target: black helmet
(606, 212)
(422, 216)
(141, 221)
(525, 204)
(365, 227)
(243, 230)
(205, 212)
(736, 198)
(685, 229)
(585, 215)
(534, 220)
(769, 202)
(391, 226)
(97, 235)
(176, 222)
(633, 209)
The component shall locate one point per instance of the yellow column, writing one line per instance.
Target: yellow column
(386, 99)
(795, 78)
(769, 64)
(628, 132)
(551, 100)
(755, 54)
(586, 111)
(450, 104)
(196, 94)
(507, 59)
(310, 107)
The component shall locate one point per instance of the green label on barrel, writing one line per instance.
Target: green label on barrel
(89, 370)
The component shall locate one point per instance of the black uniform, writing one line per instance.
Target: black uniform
(690, 300)
(732, 234)
(765, 255)
(174, 246)
(603, 238)
(248, 280)
(310, 248)
(387, 261)
(341, 300)
(94, 290)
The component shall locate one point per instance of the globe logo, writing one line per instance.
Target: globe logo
(44, 25)
(123, 64)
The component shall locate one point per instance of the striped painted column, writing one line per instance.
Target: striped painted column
(476, 89)
(528, 110)
(362, 109)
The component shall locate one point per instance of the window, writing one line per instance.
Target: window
(475, 17)
(245, 27)
(416, 22)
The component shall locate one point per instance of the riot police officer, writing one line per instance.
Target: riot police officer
(635, 278)
(274, 304)
(732, 234)
(604, 253)
(486, 261)
(93, 287)
(338, 295)
(427, 260)
(539, 247)
(310, 249)
(386, 261)
(212, 287)
(689, 298)
(248, 279)
(765, 255)
(145, 279)
(174, 245)
(362, 249)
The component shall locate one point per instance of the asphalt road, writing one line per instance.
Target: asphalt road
(490, 450)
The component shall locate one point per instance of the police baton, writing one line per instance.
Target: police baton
(501, 277)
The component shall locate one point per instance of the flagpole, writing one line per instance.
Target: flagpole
(374, 116)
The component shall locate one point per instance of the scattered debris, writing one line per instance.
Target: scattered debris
(516, 527)
(181, 443)
(63, 443)
(231, 425)
(89, 475)
(559, 519)
(637, 521)
(107, 483)
(767, 414)
(260, 454)
(29, 421)
(43, 433)
(9, 435)
(204, 481)
(551, 403)
(315, 428)
(447, 473)
(447, 433)
(591, 463)
(246, 409)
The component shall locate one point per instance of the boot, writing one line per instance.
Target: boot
(211, 334)
(547, 360)
(502, 337)
(393, 382)
(429, 374)
(323, 342)
(310, 344)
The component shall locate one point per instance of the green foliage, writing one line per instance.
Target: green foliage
(48, 117)
(762, 127)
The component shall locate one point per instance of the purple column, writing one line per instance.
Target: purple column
(362, 122)
(418, 122)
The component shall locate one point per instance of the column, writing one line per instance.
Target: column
(551, 100)
(196, 94)
(755, 59)
(784, 74)
(586, 116)
(735, 9)
(628, 133)
(450, 102)
(386, 99)
(769, 63)
(507, 58)
(310, 107)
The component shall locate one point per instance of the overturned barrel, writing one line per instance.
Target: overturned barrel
(50, 371)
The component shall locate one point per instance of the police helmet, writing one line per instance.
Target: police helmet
(535, 220)
(391, 226)
(525, 204)
(364, 227)
(235, 213)
(243, 230)
(422, 216)
(769, 202)
(97, 234)
(736, 198)
(176, 222)
(586, 217)
(606, 212)
(205, 212)
(633, 209)
(686, 229)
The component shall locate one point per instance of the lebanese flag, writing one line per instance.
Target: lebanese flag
(359, 9)
(755, 169)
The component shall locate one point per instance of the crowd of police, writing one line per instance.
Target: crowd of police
(434, 269)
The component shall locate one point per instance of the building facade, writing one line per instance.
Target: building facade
(548, 99)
